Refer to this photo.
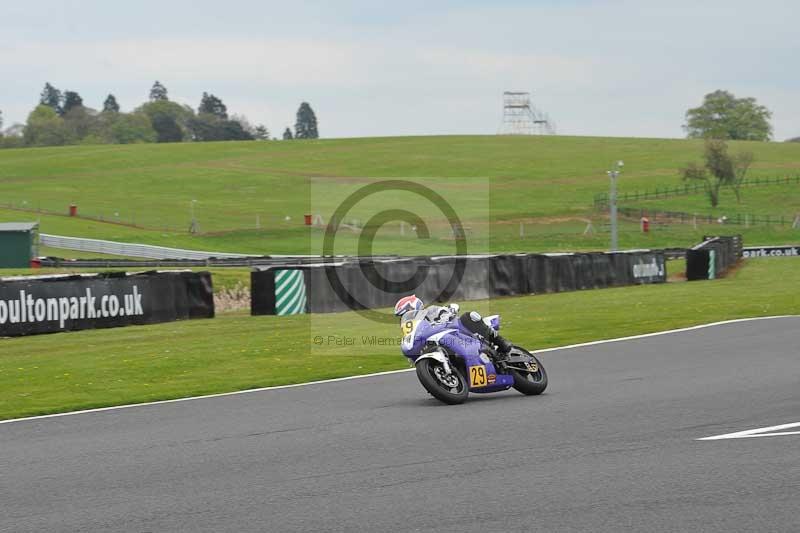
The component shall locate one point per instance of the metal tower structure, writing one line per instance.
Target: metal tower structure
(521, 118)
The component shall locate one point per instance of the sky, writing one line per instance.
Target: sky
(373, 68)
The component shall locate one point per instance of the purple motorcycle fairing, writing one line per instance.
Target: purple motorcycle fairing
(458, 340)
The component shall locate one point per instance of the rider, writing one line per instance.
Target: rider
(472, 321)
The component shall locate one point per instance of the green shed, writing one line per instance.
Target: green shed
(18, 244)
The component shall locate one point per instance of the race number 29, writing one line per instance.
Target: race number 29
(477, 376)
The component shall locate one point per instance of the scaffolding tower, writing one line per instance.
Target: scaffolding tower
(521, 118)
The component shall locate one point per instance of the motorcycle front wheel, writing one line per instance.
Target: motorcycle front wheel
(449, 388)
(530, 382)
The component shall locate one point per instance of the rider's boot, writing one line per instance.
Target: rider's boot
(503, 346)
(473, 322)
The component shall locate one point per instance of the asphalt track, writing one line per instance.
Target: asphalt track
(611, 446)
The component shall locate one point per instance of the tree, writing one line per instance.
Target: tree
(111, 105)
(158, 93)
(233, 130)
(261, 133)
(167, 129)
(130, 128)
(212, 105)
(306, 125)
(207, 127)
(79, 121)
(71, 101)
(46, 128)
(723, 116)
(793, 140)
(169, 119)
(51, 97)
(246, 126)
(287, 135)
(719, 169)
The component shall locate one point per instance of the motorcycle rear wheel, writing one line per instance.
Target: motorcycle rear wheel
(530, 383)
(450, 388)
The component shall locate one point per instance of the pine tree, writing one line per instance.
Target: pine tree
(110, 105)
(71, 101)
(306, 125)
(287, 135)
(261, 133)
(212, 105)
(51, 97)
(158, 92)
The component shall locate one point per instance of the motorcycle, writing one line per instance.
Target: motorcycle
(451, 361)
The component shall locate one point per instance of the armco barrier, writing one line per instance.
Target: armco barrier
(124, 248)
(371, 283)
(713, 257)
(49, 304)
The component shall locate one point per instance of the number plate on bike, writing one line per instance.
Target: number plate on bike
(477, 376)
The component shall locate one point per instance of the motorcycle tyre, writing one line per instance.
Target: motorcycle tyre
(431, 384)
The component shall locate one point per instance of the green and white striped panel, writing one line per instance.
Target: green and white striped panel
(290, 292)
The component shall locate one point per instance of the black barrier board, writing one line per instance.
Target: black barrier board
(697, 264)
(30, 306)
(713, 257)
(370, 284)
(648, 268)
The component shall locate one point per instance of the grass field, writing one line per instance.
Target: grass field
(244, 192)
(68, 371)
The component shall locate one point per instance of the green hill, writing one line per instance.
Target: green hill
(513, 193)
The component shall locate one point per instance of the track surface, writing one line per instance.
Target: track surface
(610, 447)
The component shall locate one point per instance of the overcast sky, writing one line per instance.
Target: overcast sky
(621, 68)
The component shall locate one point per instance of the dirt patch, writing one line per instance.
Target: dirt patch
(733, 269)
(236, 298)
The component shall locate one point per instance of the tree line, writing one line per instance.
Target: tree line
(61, 118)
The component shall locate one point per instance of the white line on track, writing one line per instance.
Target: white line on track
(278, 387)
(772, 431)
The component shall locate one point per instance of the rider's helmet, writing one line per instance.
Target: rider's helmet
(406, 304)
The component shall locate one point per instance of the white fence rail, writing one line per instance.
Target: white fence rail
(126, 249)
